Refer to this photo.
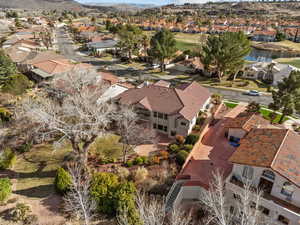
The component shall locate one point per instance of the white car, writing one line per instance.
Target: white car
(253, 93)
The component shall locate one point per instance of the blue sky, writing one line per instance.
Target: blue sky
(158, 2)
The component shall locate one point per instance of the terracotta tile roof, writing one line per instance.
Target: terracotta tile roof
(109, 77)
(54, 66)
(287, 160)
(247, 121)
(43, 56)
(274, 148)
(186, 101)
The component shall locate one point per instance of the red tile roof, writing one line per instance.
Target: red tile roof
(274, 148)
(246, 121)
(186, 101)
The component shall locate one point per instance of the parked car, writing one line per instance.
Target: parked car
(253, 93)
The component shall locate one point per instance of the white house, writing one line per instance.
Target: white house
(270, 160)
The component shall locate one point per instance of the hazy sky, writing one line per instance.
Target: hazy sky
(158, 2)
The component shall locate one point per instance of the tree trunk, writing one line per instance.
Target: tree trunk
(235, 75)
(162, 65)
(125, 151)
(220, 74)
(281, 118)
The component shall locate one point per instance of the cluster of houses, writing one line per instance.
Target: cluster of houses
(242, 146)
(258, 30)
(95, 41)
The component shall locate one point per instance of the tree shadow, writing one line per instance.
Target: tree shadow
(53, 203)
(41, 191)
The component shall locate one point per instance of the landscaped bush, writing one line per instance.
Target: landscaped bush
(138, 161)
(196, 128)
(179, 139)
(5, 189)
(7, 159)
(191, 139)
(200, 121)
(188, 148)
(129, 163)
(155, 160)
(111, 195)
(123, 172)
(164, 154)
(5, 114)
(16, 84)
(63, 181)
(174, 148)
(20, 212)
(181, 157)
(140, 175)
(24, 147)
(145, 159)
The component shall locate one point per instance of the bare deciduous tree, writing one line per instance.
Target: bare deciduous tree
(132, 133)
(223, 210)
(152, 211)
(78, 201)
(77, 116)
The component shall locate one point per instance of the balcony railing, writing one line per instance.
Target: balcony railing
(270, 197)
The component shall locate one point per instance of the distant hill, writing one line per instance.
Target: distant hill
(121, 6)
(41, 4)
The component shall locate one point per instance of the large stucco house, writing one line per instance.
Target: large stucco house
(245, 147)
(269, 159)
(170, 111)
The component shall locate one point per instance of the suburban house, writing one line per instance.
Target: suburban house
(266, 155)
(269, 159)
(114, 85)
(170, 111)
(102, 45)
(264, 35)
(269, 72)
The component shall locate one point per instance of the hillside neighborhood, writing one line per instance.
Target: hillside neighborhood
(168, 115)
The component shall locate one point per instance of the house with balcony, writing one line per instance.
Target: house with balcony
(269, 159)
(168, 110)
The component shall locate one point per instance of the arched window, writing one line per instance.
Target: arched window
(287, 189)
(248, 172)
(269, 174)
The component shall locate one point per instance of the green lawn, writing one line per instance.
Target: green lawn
(36, 170)
(292, 61)
(182, 45)
(265, 113)
(230, 105)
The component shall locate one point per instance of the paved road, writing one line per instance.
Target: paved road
(66, 47)
(241, 97)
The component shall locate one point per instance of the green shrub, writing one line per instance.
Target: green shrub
(174, 148)
(138, 161)
(200, 121)
(63, 181)
(196, 128)
(5, 189)
(181, 157)
(129, 163)
(145, 159)
(103, 187)
(16, 84)
(24, 147)
(188, 148)
(20, 212)
(5, 115)
(191, 139)
(7, 159)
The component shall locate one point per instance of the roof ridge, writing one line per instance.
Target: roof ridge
(275, 157)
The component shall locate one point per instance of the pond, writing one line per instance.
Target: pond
(267, 55)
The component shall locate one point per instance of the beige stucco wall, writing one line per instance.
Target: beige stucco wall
(275, 209)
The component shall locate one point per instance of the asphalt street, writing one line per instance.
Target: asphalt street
(66, 48)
